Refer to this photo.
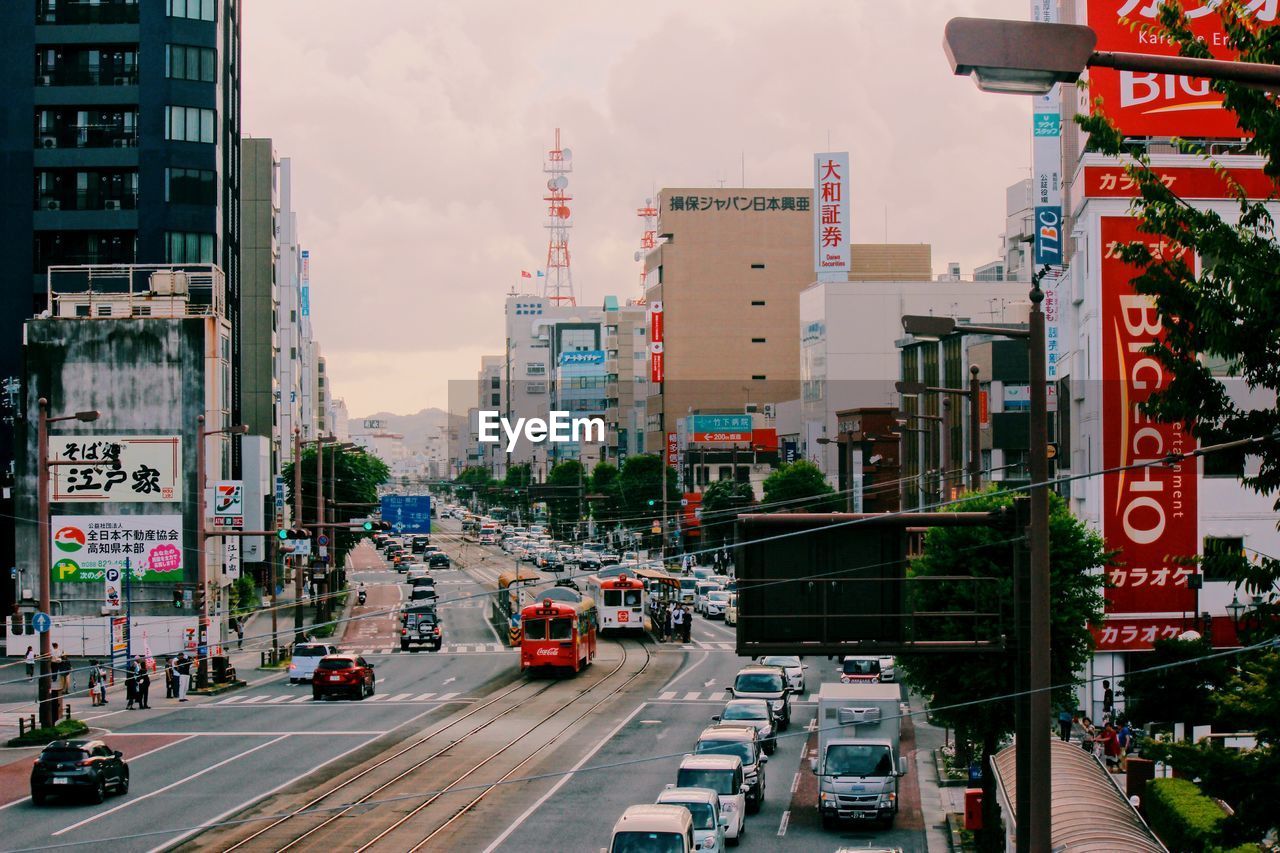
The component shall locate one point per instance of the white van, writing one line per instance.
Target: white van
(653, 829)
(722, 774)
(704, 807)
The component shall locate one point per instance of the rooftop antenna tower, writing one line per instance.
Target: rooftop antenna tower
(558, 284)
(648, 239)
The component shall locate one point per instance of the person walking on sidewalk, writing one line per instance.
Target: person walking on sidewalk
(101, 672)
(170, 679)
(677, 621)
(240, 631)
(1064, 724)
(144, 684)
(31, 663)
(183, 666)
(686, 622)
(93, 683)
(130, 686)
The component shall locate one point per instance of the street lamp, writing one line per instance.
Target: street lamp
(1032, 737)
(202, 571)
(48, 713)
(1029, 58)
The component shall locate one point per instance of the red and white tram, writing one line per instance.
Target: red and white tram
(621, 600)
(558, 632)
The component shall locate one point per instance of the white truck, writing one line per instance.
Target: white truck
(859, 758)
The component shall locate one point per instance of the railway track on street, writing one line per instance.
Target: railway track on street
(408, 799)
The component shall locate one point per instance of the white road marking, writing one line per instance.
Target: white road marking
(446, 696)
(423, 697)
(563, 779)
(253, 699)
(398, 697)
(782, 825)
(449, 681)
(670, 694)
(279, 699)
(693, 694)
(795, 783)
(231, 700)
(170, 786)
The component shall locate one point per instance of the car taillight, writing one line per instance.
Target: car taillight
(292, 667)
(437, 630)
(84, 762)
(404, 631)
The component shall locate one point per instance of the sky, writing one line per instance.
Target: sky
(417, 131)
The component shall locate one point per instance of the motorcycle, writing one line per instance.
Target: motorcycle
(361, 596)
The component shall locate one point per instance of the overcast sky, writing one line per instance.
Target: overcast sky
(417, 130)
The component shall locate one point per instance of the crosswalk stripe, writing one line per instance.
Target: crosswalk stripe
(693, 694)
(230, 700)
(299, 699)
(278, 700)
(375, 697)
(670, 694)
(446, 696)
(253, 699)
(398, 697)
(423, 697)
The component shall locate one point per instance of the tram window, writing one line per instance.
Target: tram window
(612, 597)
(561, 629)
(535, 629)
(631, 598)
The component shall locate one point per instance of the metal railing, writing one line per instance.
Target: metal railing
(90, 75)
(84, 200)
(87, 136)
(73, 12)
(195, 289)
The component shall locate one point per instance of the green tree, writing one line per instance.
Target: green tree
(515, 495)
(1176, 686)
(474, 481)
(1218, 317)
(565, 486)
(357, 476)
(607, 508)
(960, 691)
(721, 502)
(800, 487)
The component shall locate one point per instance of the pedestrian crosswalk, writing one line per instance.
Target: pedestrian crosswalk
(287, 699)
(698, 646)
(448, 649)
(714, 695)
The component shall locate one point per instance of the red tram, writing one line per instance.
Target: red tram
(557, 633)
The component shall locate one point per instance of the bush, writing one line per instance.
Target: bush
(61, 731)
(1184, 818)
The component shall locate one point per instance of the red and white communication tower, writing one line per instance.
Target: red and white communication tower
(649, 239)
(558, 284)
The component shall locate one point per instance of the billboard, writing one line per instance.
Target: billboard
(656, 330)
(581, 357)
(407, 513)
(719, 423)
(1150, 515)
(116, 468)
(656, 363)
(831, 213)
(1146, 104)
(86, 547)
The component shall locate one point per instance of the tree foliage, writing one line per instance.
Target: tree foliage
(356, 478)
(515, 490)
(640, 482)
(1221, 336)
(566, 486)
(1178, 684)
(970, 694)
(607, 509)
(800, 487)
(721, 502)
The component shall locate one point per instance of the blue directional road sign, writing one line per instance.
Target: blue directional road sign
(41, 622)
(407, 513)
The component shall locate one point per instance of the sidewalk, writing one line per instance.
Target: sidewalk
(936, 800)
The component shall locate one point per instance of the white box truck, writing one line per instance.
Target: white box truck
(859, 758)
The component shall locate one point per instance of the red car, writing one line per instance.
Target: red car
(342, 675)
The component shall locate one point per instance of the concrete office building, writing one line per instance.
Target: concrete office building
(293, 285)
(259, 262)
(119, 143)
(627, 377)
(847, 355)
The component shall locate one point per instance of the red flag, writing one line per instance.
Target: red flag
(526, 274)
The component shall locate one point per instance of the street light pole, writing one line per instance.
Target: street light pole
(975, 441)
(48, 713)
(1039, 686)
(202, 559)
(297, 521)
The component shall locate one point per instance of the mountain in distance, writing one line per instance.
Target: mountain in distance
(415, 428)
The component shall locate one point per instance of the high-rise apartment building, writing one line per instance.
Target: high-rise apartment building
(119, 143)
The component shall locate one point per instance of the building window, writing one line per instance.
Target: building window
(495, 399)
(187, 62)
(757, 340)
(197, 10)
(535, 368)
(757, 376)
(757, 266)
(190, 186)
(536, 388)
(495, 382)
(757, 303)
(185, 247)
(188, 124)
(1222, 554)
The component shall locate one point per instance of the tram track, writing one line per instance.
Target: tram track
(370, 803)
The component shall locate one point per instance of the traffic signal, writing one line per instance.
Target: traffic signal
(292, 533)
(200, 593)
(370, 526)
(177, 597)
(652, 501)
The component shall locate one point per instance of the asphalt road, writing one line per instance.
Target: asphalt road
(194, 763)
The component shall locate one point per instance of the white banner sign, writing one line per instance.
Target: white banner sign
(117, 468)
(831, 213)
(85, 547)
(231, 564)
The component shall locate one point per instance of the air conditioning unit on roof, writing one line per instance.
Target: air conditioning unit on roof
(169, 283)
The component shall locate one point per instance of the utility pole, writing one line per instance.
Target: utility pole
(297, 516)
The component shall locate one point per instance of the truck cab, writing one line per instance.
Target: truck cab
(859, 758)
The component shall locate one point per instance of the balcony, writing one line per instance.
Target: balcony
(72, 12)
(87, 200)
(90, 75)
(88, 136)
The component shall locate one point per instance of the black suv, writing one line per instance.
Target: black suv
(421, 628)
(85, 766)
(438, 560)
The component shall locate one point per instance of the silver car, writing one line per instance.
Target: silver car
(792, 666)
(754, 712)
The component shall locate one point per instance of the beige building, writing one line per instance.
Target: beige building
(728, 272)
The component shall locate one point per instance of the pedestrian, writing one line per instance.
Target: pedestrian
(1064, 724)
(31, 663)
(170, 679)
(686, 622)
(1124, 738)
(1108, 699)
(240, 631)
(716, 560)
(1111, 750)
(144, 684)
(93, 683)
(101, 673)
(183, 666)
(59, 667)
(130, 686)
(677, 621)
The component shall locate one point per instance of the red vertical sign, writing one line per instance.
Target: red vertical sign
(1148, 514)
(673, 449)
(657, 357)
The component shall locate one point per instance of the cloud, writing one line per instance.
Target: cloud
(417, 132)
